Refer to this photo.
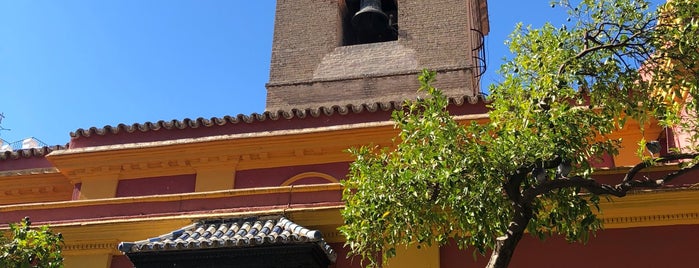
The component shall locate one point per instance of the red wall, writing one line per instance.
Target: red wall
(270, 177)
(652, 247)
(121, 262)
(670, 246)
(24, 163)
(158, 185)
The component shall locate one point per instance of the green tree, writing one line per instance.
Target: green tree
(29, 247)
(529, 168)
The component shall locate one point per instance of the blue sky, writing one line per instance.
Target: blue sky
(73, 64)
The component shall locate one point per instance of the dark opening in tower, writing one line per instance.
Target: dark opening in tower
(369, 21)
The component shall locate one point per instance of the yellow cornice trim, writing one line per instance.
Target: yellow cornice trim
(305, 175)
(34, 185)
(29, 172)
(639, 209)
(175, 197)
(625, 169)
(101, 237)
(652, 208)
(188, 141)
(655, 219)
(75, 248)
(208, 139)
(201, 216)
(245, 151)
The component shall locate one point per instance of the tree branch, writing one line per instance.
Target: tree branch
(601, 46)
(514, 182)
(618, 190)
(576, 181)
(665, 159)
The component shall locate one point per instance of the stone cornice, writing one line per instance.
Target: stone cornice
(389, 74)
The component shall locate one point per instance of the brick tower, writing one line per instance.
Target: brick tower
(323, 54)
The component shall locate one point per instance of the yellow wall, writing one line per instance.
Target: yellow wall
(411, 256)
(88, 261)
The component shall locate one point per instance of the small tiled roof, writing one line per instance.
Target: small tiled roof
(231, 233)
(30, 153)
(255, 117)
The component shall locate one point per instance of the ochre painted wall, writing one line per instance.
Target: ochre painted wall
(88, 261)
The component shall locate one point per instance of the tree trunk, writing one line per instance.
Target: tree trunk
(505, 245)
(504, 248)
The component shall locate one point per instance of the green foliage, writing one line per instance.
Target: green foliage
(565, 92)
(675, 75)
(427, 189)
(29, 247)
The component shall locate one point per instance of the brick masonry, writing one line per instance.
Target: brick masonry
(311, 68)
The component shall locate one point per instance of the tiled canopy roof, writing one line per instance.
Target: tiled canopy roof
(255, 117)
(231, 234)
(29, 153)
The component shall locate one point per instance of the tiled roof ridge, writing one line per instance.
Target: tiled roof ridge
(231, 233)
(256, 117)
(30, 152)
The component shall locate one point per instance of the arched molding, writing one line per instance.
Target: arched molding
(306, 175)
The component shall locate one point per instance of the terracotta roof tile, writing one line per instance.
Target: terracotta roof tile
(231, 233)
(30, 153)
(255, 117)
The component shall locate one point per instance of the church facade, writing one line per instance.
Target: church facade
(263, 190)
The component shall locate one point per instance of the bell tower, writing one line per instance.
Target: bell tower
(338, 52)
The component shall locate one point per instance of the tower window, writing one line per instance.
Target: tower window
(370, 21)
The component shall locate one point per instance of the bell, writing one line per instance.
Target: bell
(370, 20)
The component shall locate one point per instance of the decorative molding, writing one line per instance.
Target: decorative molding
(255, 156)
(243, 151)
(658, 218)
(332, 235)
(134, 170)
(646, 208)
(223, 138)
(175, 197)
(107, 233)
(305, 175)
(253, 150)
(29, 172)
(90, 247)
(22, 191)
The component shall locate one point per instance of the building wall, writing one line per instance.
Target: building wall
(657, 247)
(143, 180)
(649, 247)
(311, 67)
(158, 185)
